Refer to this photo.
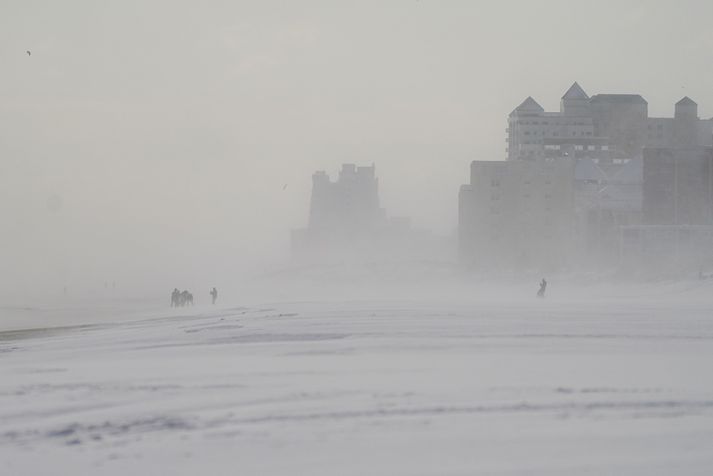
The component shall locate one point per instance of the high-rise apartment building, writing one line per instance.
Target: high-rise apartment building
(607, 126)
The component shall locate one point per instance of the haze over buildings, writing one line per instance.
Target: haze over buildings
(328, 184)
(347, 224)
(615, 126)
(598, 183)
(149, 142)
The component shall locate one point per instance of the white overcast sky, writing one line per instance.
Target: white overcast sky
(147, 140)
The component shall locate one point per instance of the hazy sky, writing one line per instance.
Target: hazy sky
(149, 141)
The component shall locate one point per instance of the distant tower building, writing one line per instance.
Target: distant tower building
(349, 205)
(347, 224)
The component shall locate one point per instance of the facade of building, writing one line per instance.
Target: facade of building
(517, 214)
(608, 135)
(610, 167)
(349, 205)
(603, 126)
(343, 213)
(676, 233)
(678, 186)
(608, 195)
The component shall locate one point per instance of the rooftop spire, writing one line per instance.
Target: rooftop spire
(686, 101)
(529, 104)
(575, 92)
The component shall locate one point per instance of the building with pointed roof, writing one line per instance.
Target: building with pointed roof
(575, 102)
(603, 126)
(575, 92)
(529, 105)
(574, 179)
(687, 102)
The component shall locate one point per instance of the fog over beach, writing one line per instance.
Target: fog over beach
(386, 238)
(150, 143)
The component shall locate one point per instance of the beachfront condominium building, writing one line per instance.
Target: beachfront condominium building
(676, 233)
(604, 126)
(517, 214)
(678, 186)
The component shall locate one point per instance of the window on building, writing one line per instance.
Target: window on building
(591, 147)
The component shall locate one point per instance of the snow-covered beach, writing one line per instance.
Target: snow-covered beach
(419, 386)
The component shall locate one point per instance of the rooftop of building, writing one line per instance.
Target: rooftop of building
(618, 98)
(575, 92)
(686, 101)
(529, 105)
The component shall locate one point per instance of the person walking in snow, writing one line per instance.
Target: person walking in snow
(543, 287)
(214, 294)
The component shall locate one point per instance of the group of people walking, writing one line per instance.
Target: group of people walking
(184, 298)
(181, 298)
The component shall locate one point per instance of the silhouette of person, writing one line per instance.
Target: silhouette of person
(214, 294)
(543, 287)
